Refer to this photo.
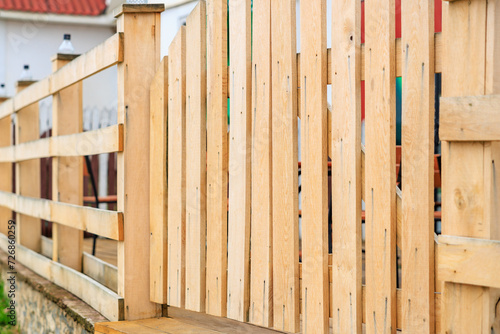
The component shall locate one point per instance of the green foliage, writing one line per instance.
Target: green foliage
(5, 328)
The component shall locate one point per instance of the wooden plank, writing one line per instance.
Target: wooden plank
(5, 170)
(105, 223)
(217, 160)
(261, 280)
(67, 172)
(470, 118)
(176, 220)
(105, 140)
(238, 276)
(468, 188)
(222, 325)
(104, 55)
(380, 179)
(135, 75)
(138, 8)
(101, 271)
(314, 172)
(285, 167)
(346, 167)
(105, 301)
(29, 229)
(418, 166)
(196, 154)
(469, 261)
(158, 208)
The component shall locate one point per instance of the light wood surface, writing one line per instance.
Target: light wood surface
(238, 276)
(5, 168)
(469, 186)
(135, 75)
(67, 172)
(261, 280)
(158, 253)
(470, 118)
(380, 178)
(417, 228)
(177, 170)
(346, 307)
(285, 166)
(314, 171)
(101, 271)
(29, 229)
(217, 159)
(105, 301)
(469, 261)
(196, 155)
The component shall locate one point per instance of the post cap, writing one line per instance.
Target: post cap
(63, 56)
(24, 83)
(129, 8)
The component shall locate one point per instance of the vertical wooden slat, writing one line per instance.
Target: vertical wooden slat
(28, 173)
(5, 169)
(285, 166)
(469, 185)
(217, 162)
(67, 172)
(346, 292)
(314, 136)
(158, 186)
(135, 75)
(380, 193)
(238, 276)
(418, 166)
(176, 220)
(261, 282)
(196, 157)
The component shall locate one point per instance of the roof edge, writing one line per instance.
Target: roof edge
(101, 20)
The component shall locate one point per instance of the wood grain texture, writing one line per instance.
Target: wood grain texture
(177, 170)
(29, 229)
(285, 166)
(380, 194)
(418, 166)
(469, 203)
(158, 209)
(469, 261)
(217, 159)
(314, 171)
(135, 75)
(196, 155)
(261, 281)
(346, 308)
(101, 271)
(5, 169)
(105, 140)
(67, 172)
(470, 118)
(238, 276)
(105, 301)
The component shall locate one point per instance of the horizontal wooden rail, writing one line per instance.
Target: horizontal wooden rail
(438, 62)
(470, 118)
(105, 223)
(101, 271)
(93, 293)
(468, 261)
(100, 141)
(105, 55)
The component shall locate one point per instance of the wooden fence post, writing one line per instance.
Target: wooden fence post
(470, 185)
(5, 169)
(67, 172)
(141, 27)
(29, 229)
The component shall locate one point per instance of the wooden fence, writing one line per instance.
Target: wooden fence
(225, 237)
(217, 229)
(118, 293)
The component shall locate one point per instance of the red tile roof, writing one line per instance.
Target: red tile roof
(64, 7)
